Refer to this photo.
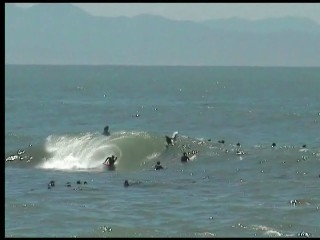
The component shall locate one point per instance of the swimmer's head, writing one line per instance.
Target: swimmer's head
(126, 183)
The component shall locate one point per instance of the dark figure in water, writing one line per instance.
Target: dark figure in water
(126, 183)
(158, 166)
(50, 184)
(273, 145)
(185, 158)
(110, 160)
(106, 131)
(172, 140)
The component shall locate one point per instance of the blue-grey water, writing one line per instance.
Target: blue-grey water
(54, 119)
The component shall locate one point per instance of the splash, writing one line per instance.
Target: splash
(76, 152)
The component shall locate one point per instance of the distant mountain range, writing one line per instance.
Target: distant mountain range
(51, 33)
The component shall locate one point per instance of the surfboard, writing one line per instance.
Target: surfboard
(193, 157)
(109, 167)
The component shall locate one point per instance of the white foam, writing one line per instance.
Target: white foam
(268, 231)
(76, 152)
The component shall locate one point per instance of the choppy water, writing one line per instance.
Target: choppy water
(54, 117)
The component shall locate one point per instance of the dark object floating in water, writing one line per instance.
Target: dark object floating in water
(158, 166)
(106, 131)
(68, 184)
(51, 184)
(126, 183)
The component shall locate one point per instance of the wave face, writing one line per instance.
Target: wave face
(87, 151)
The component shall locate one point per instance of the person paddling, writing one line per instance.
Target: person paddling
(158, 166)
(185, 157)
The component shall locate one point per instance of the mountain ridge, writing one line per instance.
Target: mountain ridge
(66, 34)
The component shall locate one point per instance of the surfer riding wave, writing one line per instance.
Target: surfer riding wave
(171, 140)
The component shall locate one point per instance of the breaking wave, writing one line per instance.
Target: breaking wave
(138, 150)
(87, 151)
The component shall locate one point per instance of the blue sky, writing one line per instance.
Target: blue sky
(203, 11)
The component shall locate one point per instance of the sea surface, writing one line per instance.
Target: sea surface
(255, 132)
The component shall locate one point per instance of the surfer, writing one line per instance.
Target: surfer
(110, 161)
(185, 158)
(106, 131)
(172, 140)
(158, 166)
(127, 183)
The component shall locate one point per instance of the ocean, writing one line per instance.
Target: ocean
(253, 134)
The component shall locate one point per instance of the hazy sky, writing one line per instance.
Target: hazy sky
(203, 11)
